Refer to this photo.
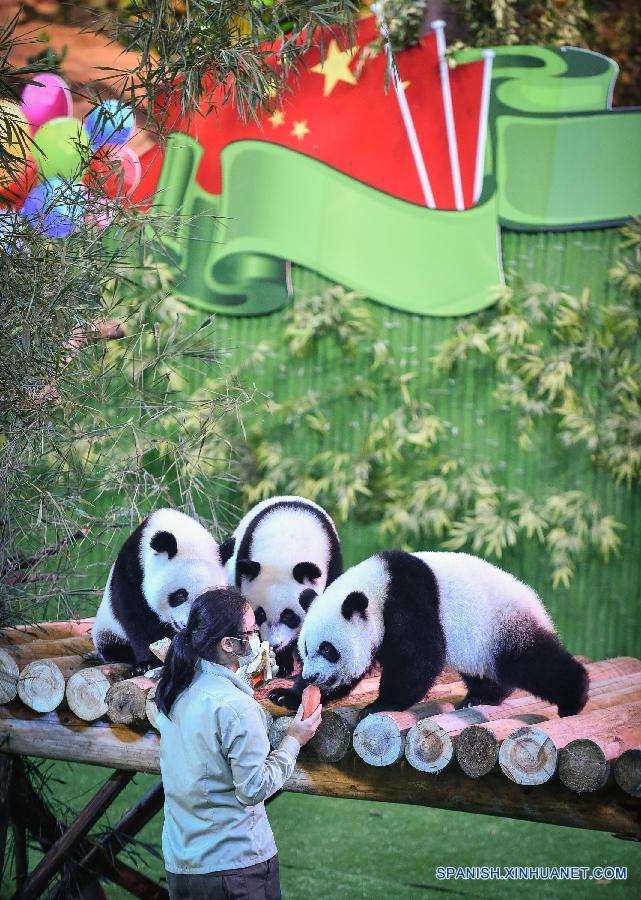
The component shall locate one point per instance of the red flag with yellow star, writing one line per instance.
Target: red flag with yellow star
(340, 114)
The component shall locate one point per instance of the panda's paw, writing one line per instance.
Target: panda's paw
(286, 697)
(371, 708)
(474, 700)
(143, 667)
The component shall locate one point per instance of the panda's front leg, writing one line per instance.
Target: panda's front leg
(406, 679)
(290, 698)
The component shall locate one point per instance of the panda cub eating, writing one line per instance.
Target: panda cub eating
(284, 552)
(417, 612)
(165, 564)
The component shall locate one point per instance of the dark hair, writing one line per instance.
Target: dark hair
(213, 615)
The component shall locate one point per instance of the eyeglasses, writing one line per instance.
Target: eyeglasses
(255, 632)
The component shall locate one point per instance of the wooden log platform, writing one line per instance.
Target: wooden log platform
(61, 735)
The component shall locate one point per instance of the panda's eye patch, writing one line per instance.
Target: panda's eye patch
(288, 617)
(329, 651)
(178, 597)
(260, 616)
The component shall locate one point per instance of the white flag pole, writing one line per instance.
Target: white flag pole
(438, 27)
(406, 115)
(479, 171)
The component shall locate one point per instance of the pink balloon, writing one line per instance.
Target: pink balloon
(47, 99)
(115, 170)
(132, 170)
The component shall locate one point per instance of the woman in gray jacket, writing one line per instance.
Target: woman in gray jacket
(215, 758)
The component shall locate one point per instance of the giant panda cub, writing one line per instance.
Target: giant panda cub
(416, 612)
(283, 553)
(165, 564)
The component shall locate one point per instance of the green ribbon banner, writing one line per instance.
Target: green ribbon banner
(557, 158)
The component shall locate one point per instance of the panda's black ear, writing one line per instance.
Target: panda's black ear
(306, 571)
(227, 550)
(164, 542)
(307, 597)
(247, 567)
(356, 602)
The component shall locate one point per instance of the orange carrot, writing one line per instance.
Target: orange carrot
(311, 700)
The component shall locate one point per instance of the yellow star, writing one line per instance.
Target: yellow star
(277, 118)
(405, 84)
(299, 130)
(335, 67)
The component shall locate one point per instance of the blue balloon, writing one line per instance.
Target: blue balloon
(111, 122)
(55, 207)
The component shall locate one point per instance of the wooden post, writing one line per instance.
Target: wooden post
(20, 854)
(333, 740)
(37, 649)
(56, 856)
(103, 855)
(267, 716)
(41, 685)
(9, 673)
(477, 746)
(278, 729)
(7, 768)
(45, 631)
(86, 690)
(151, 710)
(530, 755)
(627, 771)
(126, 700)
(380, 739)
(59, 735)
(585, 764)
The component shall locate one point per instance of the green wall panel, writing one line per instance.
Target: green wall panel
(599, 614)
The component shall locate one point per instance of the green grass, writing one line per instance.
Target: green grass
(349, 849)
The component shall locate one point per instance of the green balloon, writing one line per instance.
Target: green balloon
(61, 148)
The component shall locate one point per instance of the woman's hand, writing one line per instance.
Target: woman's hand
(304, 729)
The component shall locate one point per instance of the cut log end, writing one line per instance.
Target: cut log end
(627, 772)
(528, 756)
(126, 700)
(86, 690)
(377, 740)
(428, 747)
(151, 710)
(477, 751)
(9, 673)
(278, 730)
(583, 766)
(333, 739)
(41, 685)
(267, 718)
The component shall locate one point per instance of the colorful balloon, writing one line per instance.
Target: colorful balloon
(15, 140)
(48, 97)
(13, 190)
(101, 213)
(55, 207)
(61, 149)
(111, 122)
(116, 171)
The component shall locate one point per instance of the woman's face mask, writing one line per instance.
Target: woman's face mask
(254, 647)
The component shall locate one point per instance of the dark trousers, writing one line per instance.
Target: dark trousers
(259, 882)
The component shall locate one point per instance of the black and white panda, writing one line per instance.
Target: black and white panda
(283, 553)
(416, 612)
(165, 564)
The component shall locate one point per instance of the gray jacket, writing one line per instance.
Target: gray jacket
(217, 769)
